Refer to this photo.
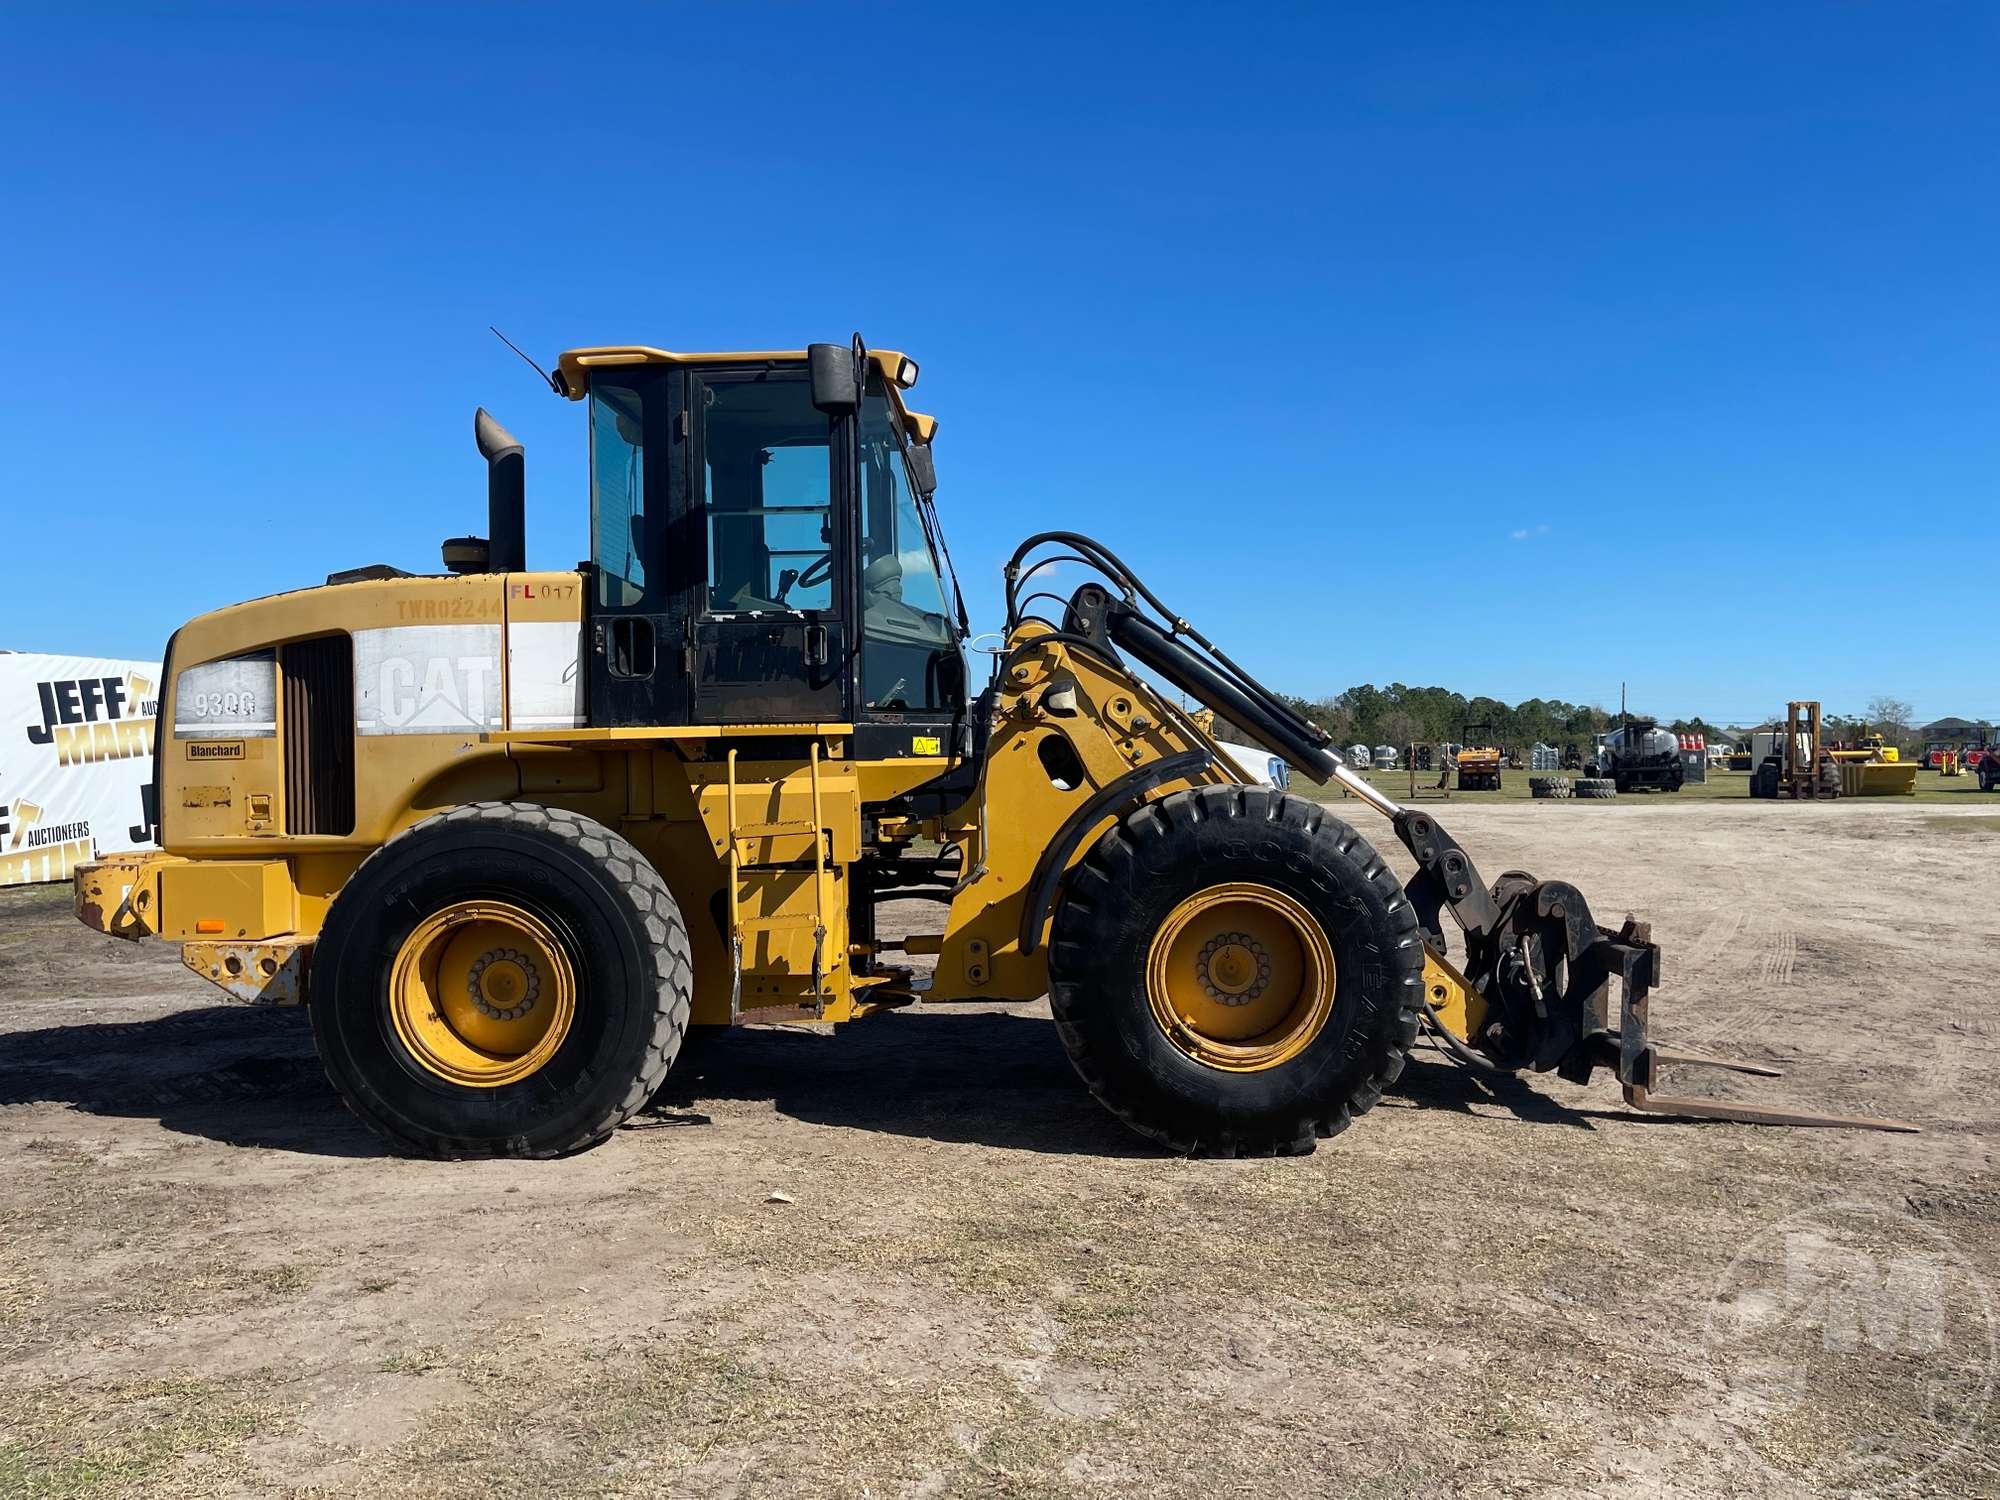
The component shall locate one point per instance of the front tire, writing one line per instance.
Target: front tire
(1235, 972)
(501, 980)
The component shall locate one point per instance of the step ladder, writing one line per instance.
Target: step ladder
(739, 860)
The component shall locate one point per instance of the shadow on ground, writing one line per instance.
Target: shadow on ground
(250, 1078)
(1430, 1081)
(975, 1077)
(227, 1072)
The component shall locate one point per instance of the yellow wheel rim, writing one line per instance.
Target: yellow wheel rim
(1240, 977)
(482, 993)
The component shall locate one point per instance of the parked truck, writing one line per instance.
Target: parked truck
(1640, 756)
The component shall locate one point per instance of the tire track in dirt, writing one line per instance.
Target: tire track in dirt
(1941, 1073)
(1688, 970)
(1712, 945)
(1757, 1020)
(1756, 973)
(1782, 958)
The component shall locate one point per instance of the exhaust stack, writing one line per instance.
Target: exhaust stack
(506, 495)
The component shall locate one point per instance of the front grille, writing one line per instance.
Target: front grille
(319, 735)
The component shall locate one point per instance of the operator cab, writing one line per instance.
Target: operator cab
(764, 549)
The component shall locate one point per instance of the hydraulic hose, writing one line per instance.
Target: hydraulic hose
(1457, 1050)
(1096, 555)
(1133, 632)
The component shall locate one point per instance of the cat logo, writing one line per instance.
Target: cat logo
(427, 679)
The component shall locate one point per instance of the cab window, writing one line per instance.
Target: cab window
(766, 497)
(617, 494)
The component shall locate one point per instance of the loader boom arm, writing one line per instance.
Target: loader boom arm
(1532, 988)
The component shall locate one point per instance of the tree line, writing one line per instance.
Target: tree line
(1402, 716)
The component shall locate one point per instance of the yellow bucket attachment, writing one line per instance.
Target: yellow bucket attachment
(1878, 779)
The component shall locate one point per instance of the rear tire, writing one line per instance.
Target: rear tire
(608, 931)
(1121, 913)
(1596, 787)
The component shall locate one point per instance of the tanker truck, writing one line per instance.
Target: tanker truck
(1640, 756)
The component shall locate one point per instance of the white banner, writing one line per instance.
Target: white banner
(76, 762)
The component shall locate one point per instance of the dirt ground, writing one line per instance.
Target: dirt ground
(211, 1280)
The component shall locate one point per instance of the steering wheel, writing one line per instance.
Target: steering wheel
(816, 572)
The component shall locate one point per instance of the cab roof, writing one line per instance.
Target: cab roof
(574, 366)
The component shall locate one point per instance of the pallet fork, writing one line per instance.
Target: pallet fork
(1535, 992)
(1640, 1058)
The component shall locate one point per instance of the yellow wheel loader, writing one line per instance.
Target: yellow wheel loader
(1478, 760)
(508, 834)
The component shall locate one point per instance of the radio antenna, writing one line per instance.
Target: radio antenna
(548, 379)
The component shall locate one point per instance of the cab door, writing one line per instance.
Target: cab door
(771, 482)
(913, 682)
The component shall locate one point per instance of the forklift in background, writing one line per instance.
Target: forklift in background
(1796, 764)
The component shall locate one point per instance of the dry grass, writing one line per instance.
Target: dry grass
(982, 1285)
(159, 1437)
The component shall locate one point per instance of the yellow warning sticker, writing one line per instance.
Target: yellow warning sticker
(926, 744)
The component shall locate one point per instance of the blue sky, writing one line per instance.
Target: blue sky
(1518, 348)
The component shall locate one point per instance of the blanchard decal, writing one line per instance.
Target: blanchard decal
(544, 683)
(215, 750)
(427, 679)
(234, 699)
(90, 719)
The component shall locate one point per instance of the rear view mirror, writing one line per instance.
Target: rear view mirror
(922, 469)
(834, 389)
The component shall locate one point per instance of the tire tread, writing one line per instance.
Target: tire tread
(673, 976)
(1119, 850)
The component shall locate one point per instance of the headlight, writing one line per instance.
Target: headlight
(906, 373)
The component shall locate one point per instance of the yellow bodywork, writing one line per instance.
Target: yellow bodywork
(300, 734)
(1874, 768)
(574, 367)
(1459, 1007)
(248, 897)
(1479, 768)
(1872, 749)
(1868, 778)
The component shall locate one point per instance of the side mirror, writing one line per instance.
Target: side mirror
(922, 469)
(835, 390)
